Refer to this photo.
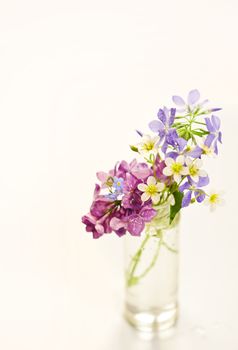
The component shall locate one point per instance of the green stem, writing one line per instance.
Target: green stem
(169, 248)
(135, 260)
(132, 279)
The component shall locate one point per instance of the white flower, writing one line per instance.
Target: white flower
(194, 170)
(149, 145)
(208, 151)
(175, 168)
(151, 190)
(214, 199)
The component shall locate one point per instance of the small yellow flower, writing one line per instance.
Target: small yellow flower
(151, 190)
(214, 199)
(175, 168)
(149, 145)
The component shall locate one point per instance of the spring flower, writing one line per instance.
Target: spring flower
(213, 126)
(193, 191)
(207, 151)
(151, 190)
(148, 145)
(118, 183)
(181, 147)
(163, 126)
(175, 168)
(194, 170)
(214, 199)
(134, 223)
(139, 170)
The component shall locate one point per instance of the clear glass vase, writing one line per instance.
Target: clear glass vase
(151, 274)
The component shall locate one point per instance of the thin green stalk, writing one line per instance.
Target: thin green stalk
(153, 261)
(135, 260)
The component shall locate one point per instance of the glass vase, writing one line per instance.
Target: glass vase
(151, 274)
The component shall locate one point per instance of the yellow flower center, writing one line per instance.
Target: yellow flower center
(214, 198)
(193, 170)
(176, 168)
(207, 150)
(148, 146)
(151, 189)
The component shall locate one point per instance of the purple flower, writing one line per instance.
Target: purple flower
(182, 149)
(134, 223)
(163, 126)
(193, 190)
(132, 197)
(192, 102)
(139, 170)
(213, 126)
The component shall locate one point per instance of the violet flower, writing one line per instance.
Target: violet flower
(192, 102)
(193, 190)
(134, 223)
(215, 135)
(163, 126)
(181, 148)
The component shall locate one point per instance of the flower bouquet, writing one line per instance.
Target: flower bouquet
(143, 199)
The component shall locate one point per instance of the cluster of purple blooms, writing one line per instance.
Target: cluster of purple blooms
(129, 195)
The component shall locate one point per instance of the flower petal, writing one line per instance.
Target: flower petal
(160, 186)
(187, 199)
(179, 101)
(209, 140)
(188, 161)
(151, 180)
(180, 159)
(148, 213)
(169, 161)
(216, 122)
(202, 173)
(167, 171)
(193, 96)
(210, 126)
(162, 116)
(136, 225)
(184, 171)
(142, 187)
(156, 125)
(155, 198)
(196, 152)
(145, 196)
(177, 178)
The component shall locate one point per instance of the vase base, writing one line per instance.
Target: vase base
(152, 320)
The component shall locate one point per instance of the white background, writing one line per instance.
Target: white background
(76, 79)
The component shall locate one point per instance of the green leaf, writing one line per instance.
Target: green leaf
(198, 133)
(133, 148)
(174, 209)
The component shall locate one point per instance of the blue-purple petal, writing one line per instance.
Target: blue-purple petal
(200, 196)
(184, 186)
(173, 155)
(156, 126)
(209, 140)
(172, 116)
(187, 199)
(193, 96)
(220, 137)
(196, 153)
(215, 147)
(161, 116)
(179, 101)
(203, 181)
(216, 122)
(210, 127)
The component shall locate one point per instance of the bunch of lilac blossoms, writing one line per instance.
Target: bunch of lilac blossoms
(129, 196)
